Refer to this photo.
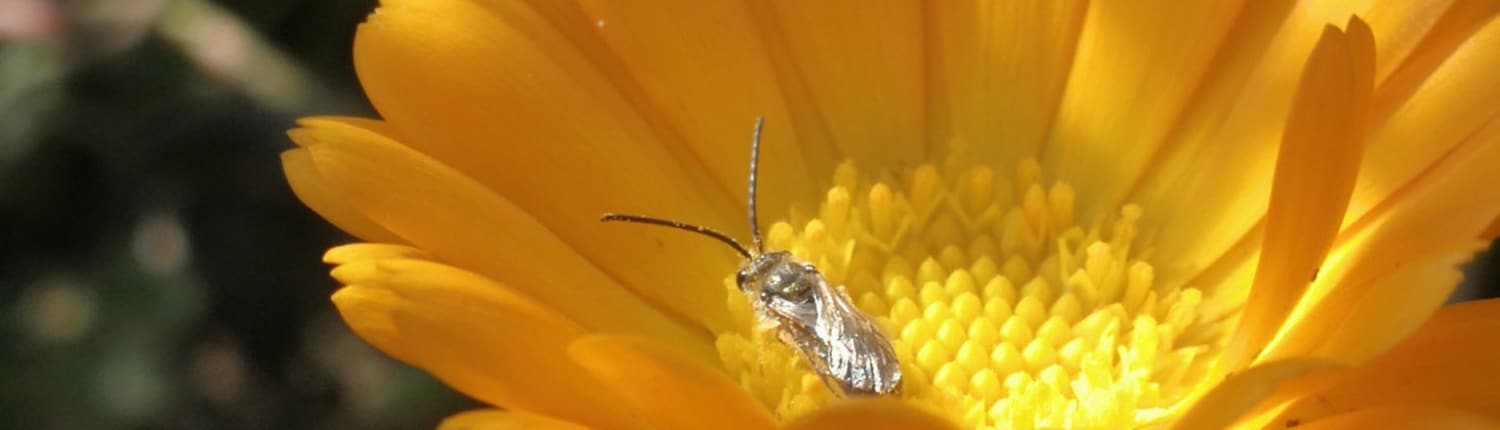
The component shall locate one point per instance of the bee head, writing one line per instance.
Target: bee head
(775, 274)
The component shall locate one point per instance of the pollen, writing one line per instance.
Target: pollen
(1005, 311)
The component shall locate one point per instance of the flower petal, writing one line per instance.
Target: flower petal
(453, 74)
(1315, 171)
(373, 125)
(1451, 104)
(704, 72)
(1238, 393)
(861, 66)
(994, 92)
(306, 183)
(667, 389)
(1417, 38)
(492, 419)
(1119, 104)
(1225, 145)
(477, 336)
(495, 91)
(1402, 265)
(461, 222)
(1220, 148)
(353, 252)
(871, 414)
(1399, 417)
(1448, 362)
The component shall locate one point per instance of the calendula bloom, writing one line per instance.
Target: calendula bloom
(1062, 213)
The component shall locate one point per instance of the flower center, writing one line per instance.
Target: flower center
(1004, 310)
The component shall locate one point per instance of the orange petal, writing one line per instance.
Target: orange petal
(1315, 171)
(1448, 362)
(477, 336)
(1455, 101)
(1119, 104)
(495, 91)
(459, 221)
(1398, 417)
(374, 125)
(1400, 266)
(995, 94)
(702, 71)
(309, 187)
(667, 389)
(1287, 392)
(860, 66)
(372, 251)
(1416, 39)
(871, 414)
(1225, 146)
(492, 419)
(1239, 392)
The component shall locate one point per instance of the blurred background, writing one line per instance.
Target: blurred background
(155, 269)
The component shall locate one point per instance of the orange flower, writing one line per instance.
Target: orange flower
(1064, 214)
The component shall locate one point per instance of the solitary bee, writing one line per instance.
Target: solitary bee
(840, 343)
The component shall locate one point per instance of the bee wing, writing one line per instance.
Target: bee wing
(857, 356)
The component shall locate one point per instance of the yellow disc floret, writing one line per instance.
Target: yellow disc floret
(1004, 311)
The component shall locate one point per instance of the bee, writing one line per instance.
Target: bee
(841, 344)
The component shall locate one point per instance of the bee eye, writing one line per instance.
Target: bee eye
(739, 279)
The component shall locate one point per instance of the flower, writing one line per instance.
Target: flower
(1063, 214)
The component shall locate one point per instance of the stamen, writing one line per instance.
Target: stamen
(1004, 311)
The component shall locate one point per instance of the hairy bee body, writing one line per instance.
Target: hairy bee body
(840, 343)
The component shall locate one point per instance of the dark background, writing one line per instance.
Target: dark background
(155, 269)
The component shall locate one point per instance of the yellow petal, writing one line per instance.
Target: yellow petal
(1450, 105)
(491, 419)
(493, 90)
(871, 414)
(703, 72)
(1315, 171)
(861, 66)
(666, 389)
(1238, 393)
(995, 94)
(1390, 308)
(1448, 362)
(1417, 38)
(1120, 103)
(374, 125)
(476, 336)
(309, 187)
(1400, 266)
(461, 222)
(372, 251)
(1222, 147)
(1235, 271)
(672, 61)
(1287, 392)
(1225, 145)
(1398, 417)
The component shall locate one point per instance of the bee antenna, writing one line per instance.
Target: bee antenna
(760, 122)
(681, 226)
